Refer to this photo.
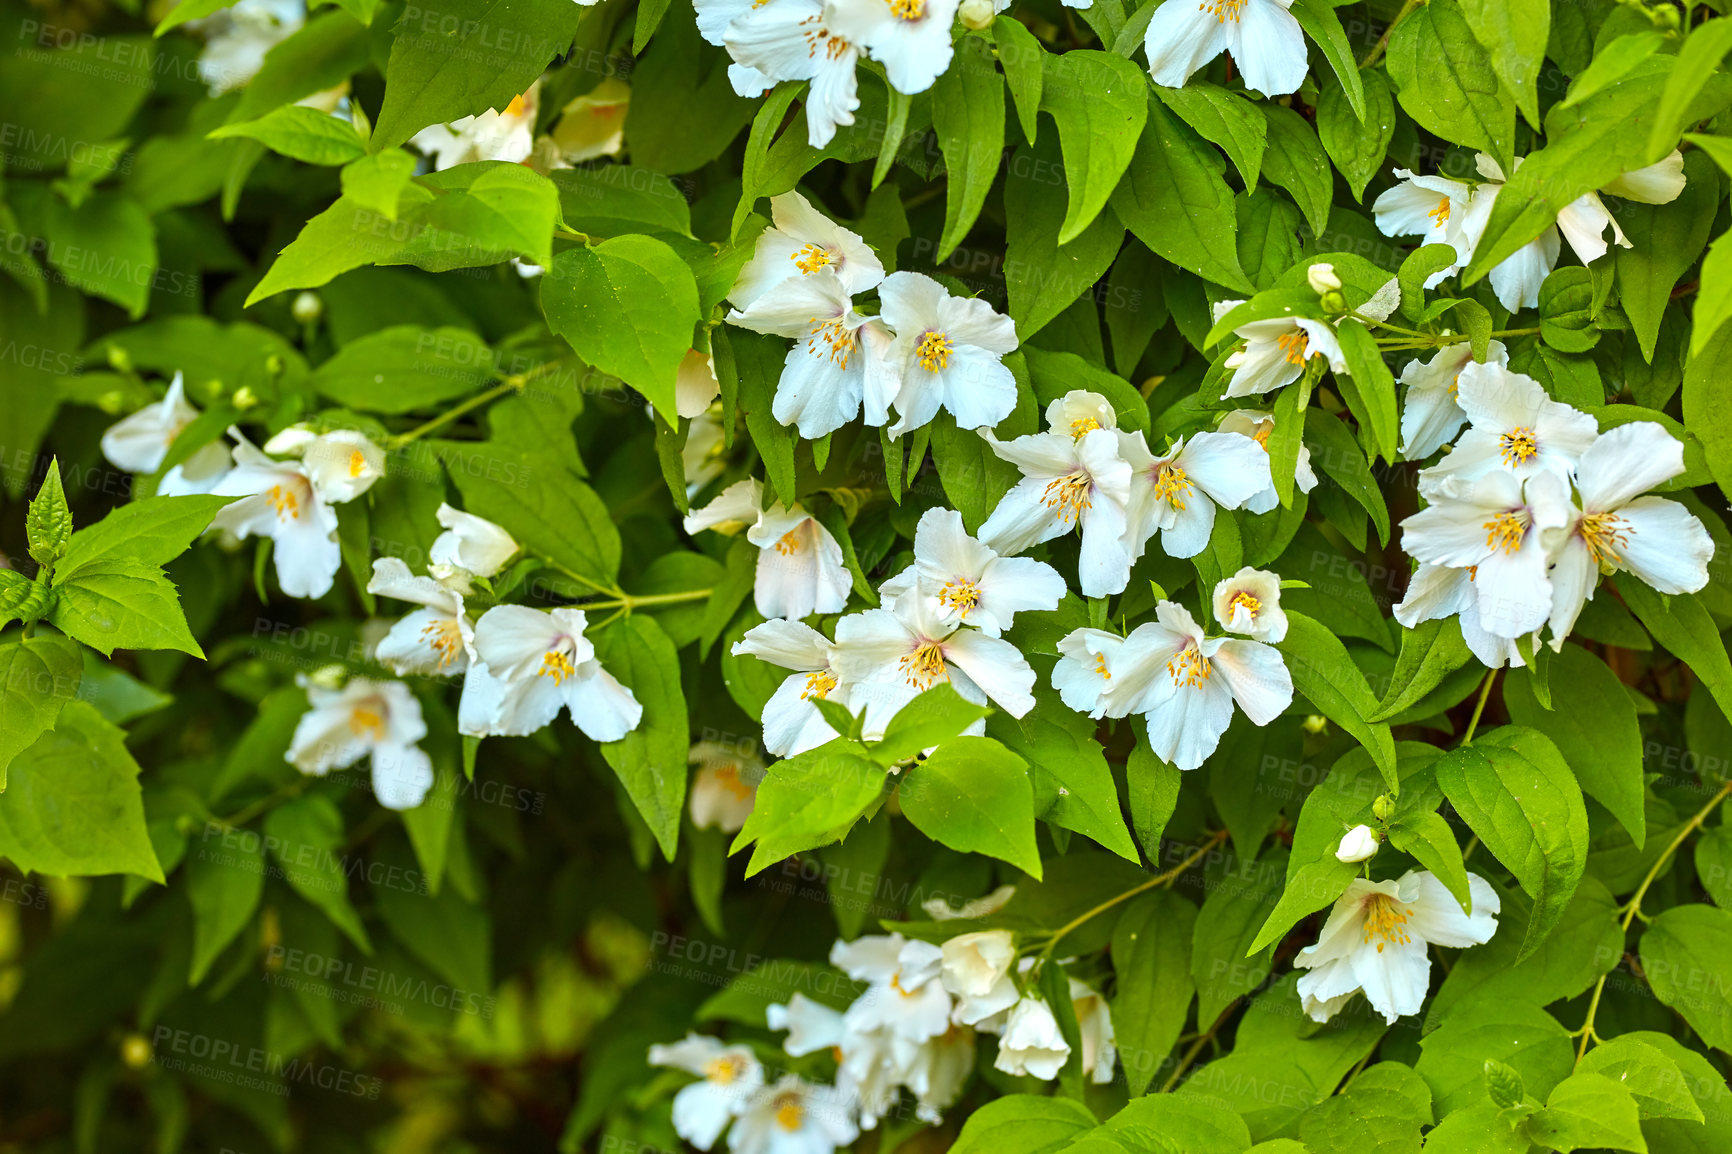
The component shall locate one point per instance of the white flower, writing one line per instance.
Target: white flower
(1375, 941)
(966, 581)
(1514, 427)
(1031, 1042)
(911, 38)
(725, 787)
(975, 968)
(531, 665)
(1067, 481)
(593, 124)
(1095, 1025)
(1185, 684)
(1616, 529)
(837, 361)
(1438, 591)
(507, 135)
(730, 1076)
(472, 545)
(432, 641)
(800, 568)
(793, 1117)
(1259, 424)
(703, 457)
(1497, 528)
(342, 463)
(1515, 280)
(1082, 675)
(1263, 37)
(1322, 279)
(377, 718)
(280, 501)
(139, 443)
(812, 1026)
(939, 908)
(1357, 844)
(1276, 350)
(238, 37)
(947, 353)
(1249, 602)
(796, 40)
(696, 386)
(1433, 208)
(803, 241)
(892, 655)
(1659, 183)
(904, 995)
(792, 724)
(1430, 415)
(1175, 495)
(938, 1071)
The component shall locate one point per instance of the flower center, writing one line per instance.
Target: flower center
(1519, 446)
(728, 777)
(557, 665)
(1244, 602)
(1261, 436)
(1385, 921)
(789, 544)
(1069, 495)
(837, 338)
(515, 108)
(1293, 346)
(819, 684)
(365, 721)
(908, 9)
(1505, 531)
(924, 665)
(1440, 215)
(790, 1112)
(1172, 486)
(1605, 534)
(1083, 426)
(723, 1070)
(810, 257)
(1101, 667)
(960, 595)
(933, 351)
(444, 638)
(1222, 10)
(1189, 667)
(284, 501)
(357, 463)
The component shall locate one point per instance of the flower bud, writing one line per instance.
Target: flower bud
(136, 1051)
(1334, 303)
(119, 359)
(1382, 807)
(307, 308)
(977, 14)
(1322, 278)
(1315, 723)
(245, 398)
(274, 364)
(113, 402)
(1357, 844)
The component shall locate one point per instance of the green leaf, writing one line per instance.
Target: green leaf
(1682, 625)
(1369, 389)
(628, 306)
(1074, 787)
(1023, 1123)
(428, 82)
(1223, 965)
(683, 112)
(122, 604)
(1193, 1123)
(1295, 160)
(620, 198)
(934, 716)
(1611, 64)
(808, 801)
(1420, 264)
(1318, 19)
(548, 511)
(1698, 61)
(1588, 1110)
(1043, 279)
(974, 796)
(1174, 199)
(305, 835)
(774, 981)
(1021, 55)
(377, 182)
(302, 134)
(1357, 145)
(1152, 958)
(968, 115)
(72, 804)
(1653, 1079)
(1526, 1038)
(1153, 786)
(1429, 653)
(1687, 959)
(1447, 82)
(1055, 374)
(38, 676)
(1514, 33)
(1224, 118)
(1714, 302)
(105, 247)
(651, 759)
(404, 368)
(1515, 792)
(1380, 1110)
(447, 934)
(224, 881)
(1667, 239)
(48, 522)
(326, 51)
(1343, 462)
(1325, 674)
(484, 213)
(1314, 885)
(1100, 103)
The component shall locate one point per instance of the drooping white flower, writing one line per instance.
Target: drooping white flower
(696, 386)
(1249, 602)
(797, 40)
(1259, 425)
(1094, 1023)
(434, 640)
(1430, 414)
(966, 582)
(498, 134)
(1659, 183)
(280, 501)
(532, 664)
(238, 37)
(800, 568)
(1437, 591)
(938, 1071)
(793, 1116)
(470, 544)
(1277, 348)
(139, 443)
(1616, 529)
(1433, 208)
(904, 995)
(947, 353)
(1067, 480)
(1496, 526)
(802, 241)
(939, 908)
(376, 719)
(1376, 937)
(1357, 844)
(1083, 673)
(725, 787)
(1514, 426)
(892, 655)
(910, 38)
(1265, 41)
(1031, 1041)
(812, 1026)
(703, 458)
(1185, 684)
(342, 463)
(1175, 495)
(729, 1076)
(792, 724)
(975, 968)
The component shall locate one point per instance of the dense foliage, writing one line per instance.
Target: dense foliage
(875, 574)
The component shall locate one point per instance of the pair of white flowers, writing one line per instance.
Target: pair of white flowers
(789, 1116)
(925, 350)
(1444, 211)
(940, 620)
(1277, 349)
(1532, 505)
(588, 127)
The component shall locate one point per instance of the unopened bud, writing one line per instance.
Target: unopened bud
(112, 402)
(307, 308)
(1665, 18)
(245, 398)
(119, 359)
(274, 364)
(1334, 302)
(136, 1051)
(1322, 278)
(1382, 807)
(977, 14)
(1315, 723)
(1357, 844)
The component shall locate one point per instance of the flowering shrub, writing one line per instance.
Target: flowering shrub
(874, 574)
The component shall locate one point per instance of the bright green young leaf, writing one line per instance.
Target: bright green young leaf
(1152, 956)
(301, 133)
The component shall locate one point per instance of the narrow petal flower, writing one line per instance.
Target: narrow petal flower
(434, 640)
(543, 663)
(792, 724)
(376, 719)
(911, 38)
(139, 442)
(1514, 426)
(1259, 425)
(342, 463)
(725, 787)
(802, 241)
(1175, 495)
(280, 501)
(472, 544)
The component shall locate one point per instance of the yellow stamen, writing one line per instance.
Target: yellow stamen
(1293, 346)
(1244, 600)
(445, 639)
(365, 721)
(728, 777)
(1083, 426)
(1222, 10)
(836, 337)
(1172, 486)
(357, 463)
(1188, 667)
(1261, 436)
(1519, 446)
(933, 351)
(908, 9)
(515, 108)
(284, 501)
(1070, 495)
(810, 258)
(819, 684)
(924, 666)
(556, 665)
(1101, 666)
(789, 544)
(1440, 214)
(790, 1112)
(960, 595)
(1385, 921)
(1505, 531)
(1605, 534)
(723, 1070)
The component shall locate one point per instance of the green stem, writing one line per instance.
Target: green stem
(246, 813)
(510, 385)
(573, 234)
(1215, 839)
(1195, 1048)
(629, 602)
(1377, 49)
(1479, 706)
